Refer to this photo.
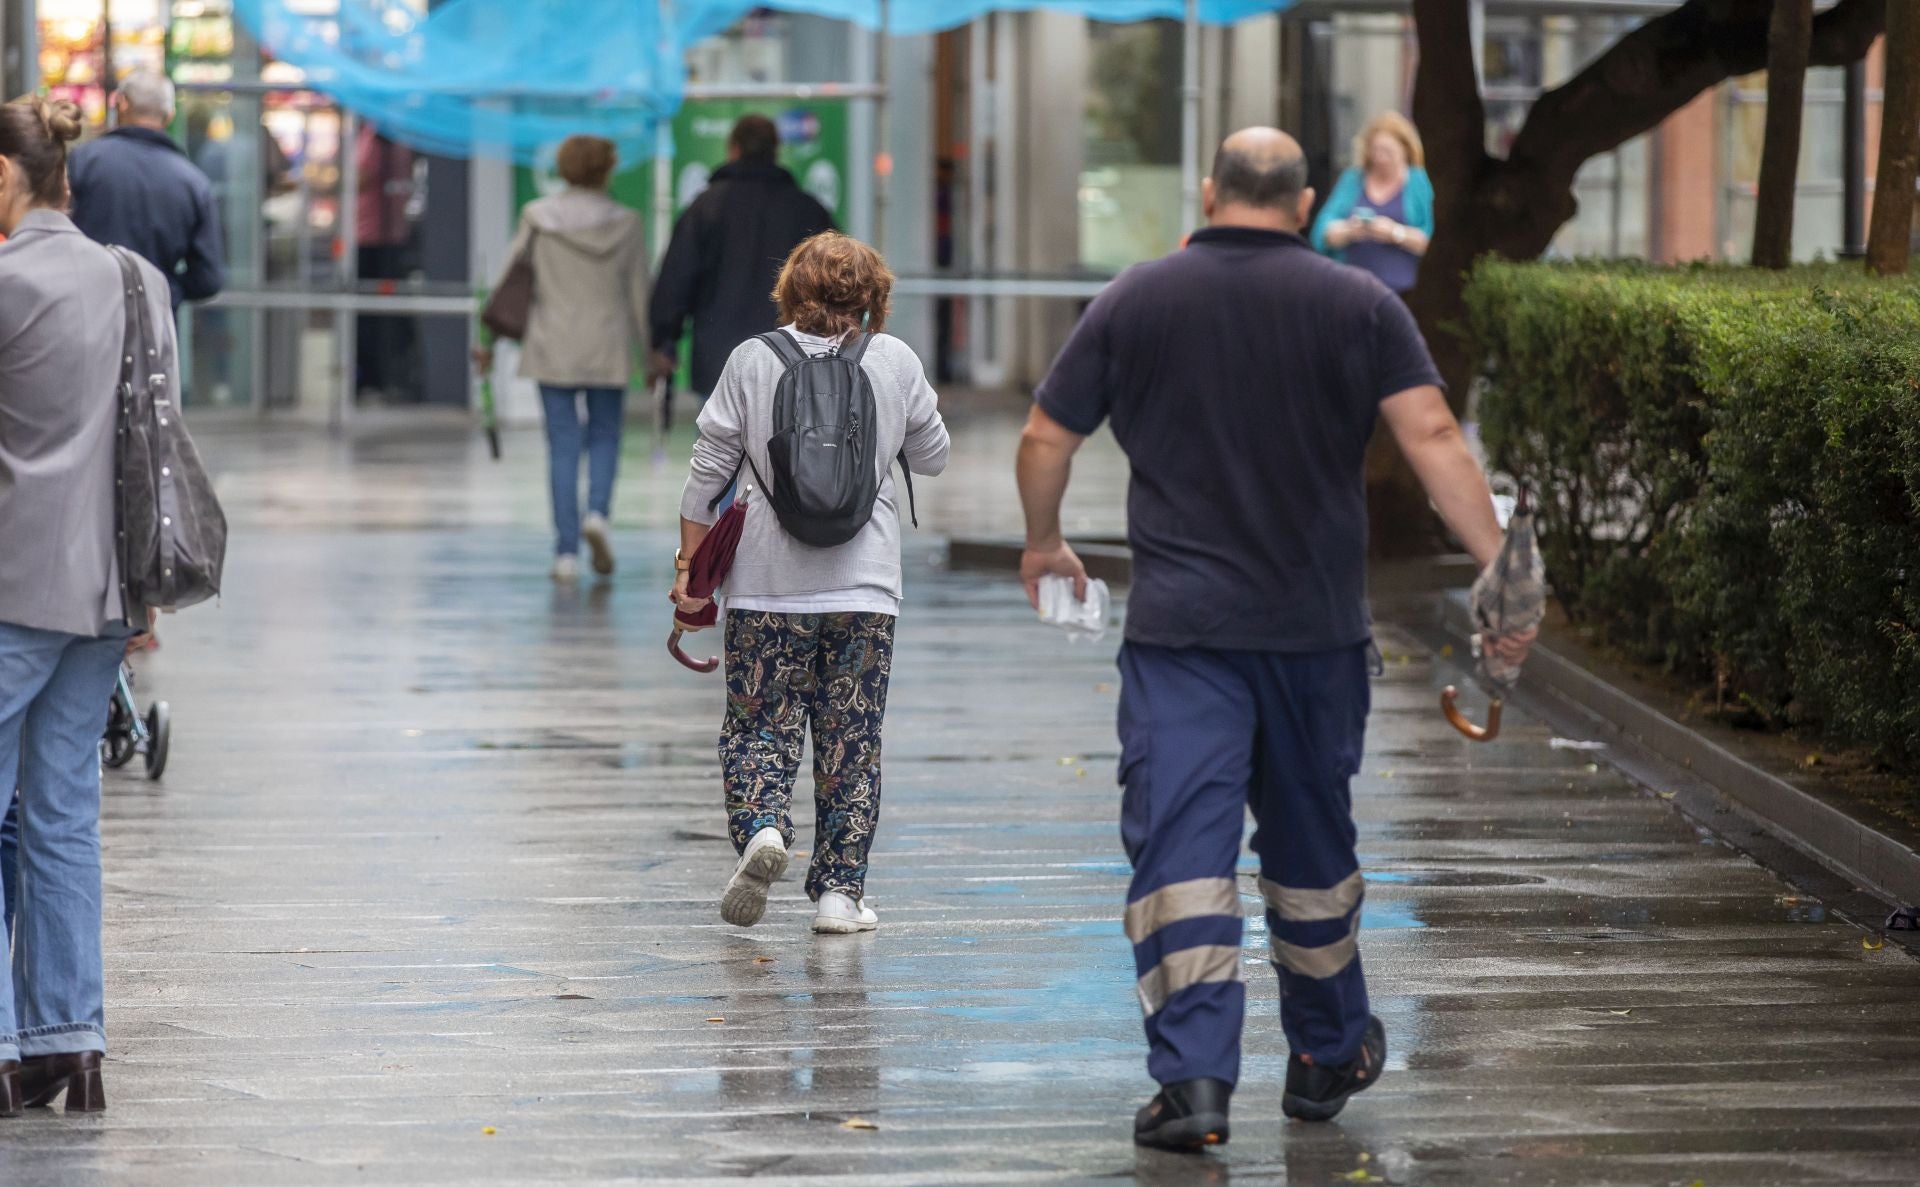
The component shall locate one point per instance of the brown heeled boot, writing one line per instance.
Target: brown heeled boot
(10, 1089)
(77, 1073)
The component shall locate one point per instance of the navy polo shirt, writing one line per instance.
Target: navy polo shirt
(1242, 375)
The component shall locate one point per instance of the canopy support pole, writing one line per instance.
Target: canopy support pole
(1190, 121)
(663, 168)
(882, 133)
(662, 189)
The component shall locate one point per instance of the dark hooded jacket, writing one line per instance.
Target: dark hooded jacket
(726, 253)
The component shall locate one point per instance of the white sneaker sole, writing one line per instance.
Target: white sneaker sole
(745, 900)
(833, 925)
(601, 546)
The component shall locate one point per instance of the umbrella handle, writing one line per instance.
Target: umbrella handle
(673, 649)
(1458, 720)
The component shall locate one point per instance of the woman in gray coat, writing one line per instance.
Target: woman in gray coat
(586, 332)
(63, 627)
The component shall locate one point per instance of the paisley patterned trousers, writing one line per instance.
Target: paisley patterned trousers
(787, 673)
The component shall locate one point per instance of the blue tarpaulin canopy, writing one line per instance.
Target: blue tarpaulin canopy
(506, 77)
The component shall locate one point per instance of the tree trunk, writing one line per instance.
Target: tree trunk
(1890, 239)
(1789, 43)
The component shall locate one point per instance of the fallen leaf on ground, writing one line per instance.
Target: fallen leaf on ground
(858, 1123)
(1080, 773)
(1620, 1013)
(1446, 651)
(1665, 795)
(763, 960)
(716, 1019)
(488, 1130)
(1362, 1175)
(1103, 688)
(1811, 760)
(1873, 943)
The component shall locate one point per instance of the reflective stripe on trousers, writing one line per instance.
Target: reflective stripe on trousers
(1183, 968)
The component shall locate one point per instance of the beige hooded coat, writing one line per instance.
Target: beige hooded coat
(588, 323)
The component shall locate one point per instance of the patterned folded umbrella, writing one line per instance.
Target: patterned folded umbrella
(706, 569)
(1509, 598)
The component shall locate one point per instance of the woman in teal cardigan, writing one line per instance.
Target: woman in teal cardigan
(1380, 214)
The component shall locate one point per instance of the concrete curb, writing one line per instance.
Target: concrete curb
(1841, 842)
(1110, 562)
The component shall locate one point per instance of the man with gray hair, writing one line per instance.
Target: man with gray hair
(135, 188)
(1243, 376)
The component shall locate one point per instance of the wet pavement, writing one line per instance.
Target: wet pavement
(429, 896)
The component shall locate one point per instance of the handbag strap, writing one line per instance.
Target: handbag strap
(130, 303)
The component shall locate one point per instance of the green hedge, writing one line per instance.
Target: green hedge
(1727, 464)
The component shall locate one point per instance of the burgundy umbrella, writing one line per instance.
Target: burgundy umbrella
(706, 569)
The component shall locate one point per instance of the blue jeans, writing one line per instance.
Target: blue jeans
(1204, 736)
(606, 408)
(54, 690)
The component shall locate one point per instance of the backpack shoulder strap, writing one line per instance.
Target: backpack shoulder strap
(785, 347)
(855, 347)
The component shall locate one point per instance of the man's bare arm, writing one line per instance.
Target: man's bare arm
(1427, 433)
(1425, 430)
(1043, 468)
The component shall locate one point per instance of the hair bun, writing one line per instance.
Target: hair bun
(61, 118)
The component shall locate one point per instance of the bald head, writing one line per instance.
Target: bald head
(1259, 169)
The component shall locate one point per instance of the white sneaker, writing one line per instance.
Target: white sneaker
(593, 529)
(761, 865)
(840, 915)
(566, 568)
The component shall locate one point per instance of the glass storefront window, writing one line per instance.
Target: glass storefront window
(1130, 185)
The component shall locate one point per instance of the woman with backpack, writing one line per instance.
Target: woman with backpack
(822, 410)
(63, 618)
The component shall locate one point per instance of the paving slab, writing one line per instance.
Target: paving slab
(429, 896)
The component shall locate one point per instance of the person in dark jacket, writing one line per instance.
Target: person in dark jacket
(726, 253)
(135, 188)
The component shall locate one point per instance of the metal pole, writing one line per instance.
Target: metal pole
(882, 131)
(662, 189)
(346, 323)
(1477, 24)
(1190, 121)
(1855, 170)
(663, 166)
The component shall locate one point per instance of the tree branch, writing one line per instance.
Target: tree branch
(1663, 65)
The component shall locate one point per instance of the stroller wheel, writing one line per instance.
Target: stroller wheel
(117, 750)
(118, 745)
(159, 738)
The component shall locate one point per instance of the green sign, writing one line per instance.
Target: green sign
(813, 147)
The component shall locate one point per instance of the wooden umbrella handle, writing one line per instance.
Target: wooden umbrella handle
(712, 663)
(1458, 720)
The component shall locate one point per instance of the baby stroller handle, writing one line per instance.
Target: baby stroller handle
(1458, 720)
(710, 664)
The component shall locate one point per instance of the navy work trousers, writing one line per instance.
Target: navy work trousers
(1206, 735)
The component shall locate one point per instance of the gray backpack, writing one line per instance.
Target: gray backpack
(823, 451)
(172, 533)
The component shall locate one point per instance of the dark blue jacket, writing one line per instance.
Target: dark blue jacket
(134, 188)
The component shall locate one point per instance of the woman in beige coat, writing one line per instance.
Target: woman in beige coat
(585, 331)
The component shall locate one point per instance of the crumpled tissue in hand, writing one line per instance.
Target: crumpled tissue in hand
(1082, 620)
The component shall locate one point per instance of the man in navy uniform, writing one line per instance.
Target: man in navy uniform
(1243, 376)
